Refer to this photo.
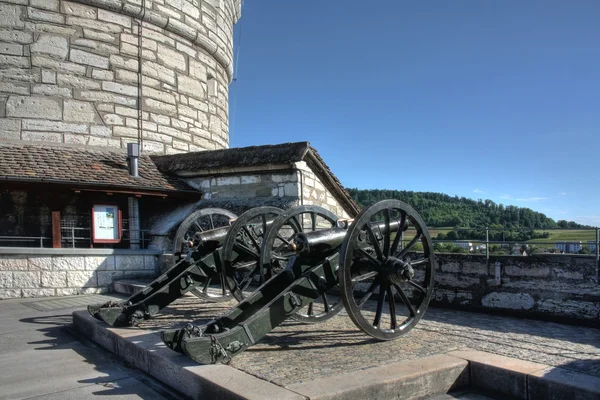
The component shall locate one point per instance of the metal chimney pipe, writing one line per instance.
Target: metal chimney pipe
(133, 154)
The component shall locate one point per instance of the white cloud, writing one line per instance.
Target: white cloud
(478, 191)
(506, 197)
(532, 199)
(562, 193)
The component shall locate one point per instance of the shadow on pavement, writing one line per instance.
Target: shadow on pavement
(113, 377)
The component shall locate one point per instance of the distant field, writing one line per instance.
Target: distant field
(568, 235)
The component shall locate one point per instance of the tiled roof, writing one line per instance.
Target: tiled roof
(285, 153)
(234, 157)
(82, 165)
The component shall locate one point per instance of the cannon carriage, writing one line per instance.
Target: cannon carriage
(304, 264)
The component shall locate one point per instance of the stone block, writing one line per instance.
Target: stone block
(179, 145)
(66, 291)
(102, 36)
(106, 278)
(38, 15)
(101, 26)
(13, 125)
(565, 274)
(14, 74)
(11, 49)
(228, 180)
(10, 293)
(455, 281)
(159, 72)
(79, 10)
(105, 97)
(81, 279)
(11, 16)
(291, 189)
(87, 58)
(247, 179)
(52, 46)
(69, 263)
(569, 308)
(129, 262)
(165, 97)
(99, 263)
(555, 383)
(74, 138)
(38, 292)
(123, 20)
(34, 107)
(52, 5)
(119, 88)
(6, 279)
(153, 147)
(52, 90)
(171, 58)
(54, 279)
(113, 119)
(60, 66)
(26, 279)
(40, 263)
(53, 126)
(125, 131)
(281, 178)
(15, 263)
(103, 75)
(124, 75)
(474, 268)
(42, 136)
(156, 106)
(14, 61)
(512, 301)
(190, 87)
(12, 36)
(49, 77)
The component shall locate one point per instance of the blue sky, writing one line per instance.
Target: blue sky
(484, 99)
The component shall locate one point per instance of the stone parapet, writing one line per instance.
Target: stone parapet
(558, 286)
(47, 273)
(88, 72)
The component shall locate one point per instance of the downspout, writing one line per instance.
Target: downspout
(139, 77)
(133, 154)
(301, 185)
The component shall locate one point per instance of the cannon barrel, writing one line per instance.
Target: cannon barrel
(328, 240)
(215, 237)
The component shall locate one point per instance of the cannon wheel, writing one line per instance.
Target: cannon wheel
(199, 221)
(244, 239)
(378, 263)
(275, 255)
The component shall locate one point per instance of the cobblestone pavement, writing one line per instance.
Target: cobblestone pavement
(296, 352)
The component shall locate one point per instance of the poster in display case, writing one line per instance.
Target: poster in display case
(106, 223)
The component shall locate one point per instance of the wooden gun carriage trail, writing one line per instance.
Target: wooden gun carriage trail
(303, 263)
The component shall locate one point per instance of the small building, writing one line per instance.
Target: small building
(74, 219)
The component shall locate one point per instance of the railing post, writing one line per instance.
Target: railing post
(73, 236)
(41, 241)
(597, 253)
(487, 243)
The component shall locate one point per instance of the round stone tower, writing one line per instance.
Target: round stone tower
(111, 72)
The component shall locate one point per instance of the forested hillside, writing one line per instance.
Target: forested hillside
(441, 210)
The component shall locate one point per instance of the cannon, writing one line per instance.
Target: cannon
(381, 265)
(202, 270)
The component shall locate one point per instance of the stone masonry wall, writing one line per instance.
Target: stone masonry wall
(314, 192)
(545, 285)
(62, 275)
(283, 184)
(70, 72)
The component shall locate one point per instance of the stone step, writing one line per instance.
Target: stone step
(130, 286)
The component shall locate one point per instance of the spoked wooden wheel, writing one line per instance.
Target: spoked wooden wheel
(242, 248)
(386, 281)
(199, 221)
(275, 255)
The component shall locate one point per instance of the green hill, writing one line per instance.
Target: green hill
(441, 210)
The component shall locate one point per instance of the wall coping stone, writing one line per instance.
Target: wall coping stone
(169, 24)
(26, 251)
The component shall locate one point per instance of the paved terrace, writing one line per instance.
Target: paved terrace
(296, 352)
